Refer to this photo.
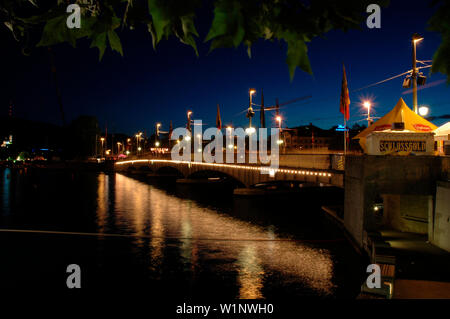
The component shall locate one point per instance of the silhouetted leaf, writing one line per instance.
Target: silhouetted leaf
(297, 56)
(160, 20)
(114, 41)
(99, 42)
(228, 23)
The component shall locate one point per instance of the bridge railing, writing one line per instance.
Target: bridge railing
(322, 161)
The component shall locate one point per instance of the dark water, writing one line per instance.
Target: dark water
(192, 242)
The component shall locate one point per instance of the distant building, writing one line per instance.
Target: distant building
(313, 138)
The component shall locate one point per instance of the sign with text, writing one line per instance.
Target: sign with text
(389, 146)
(400, 143)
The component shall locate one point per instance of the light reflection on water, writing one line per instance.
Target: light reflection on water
(251, 251)
(185, 249)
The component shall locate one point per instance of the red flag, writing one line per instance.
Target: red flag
(218, 120)
(344, 107)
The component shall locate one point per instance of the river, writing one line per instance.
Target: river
(126, 233)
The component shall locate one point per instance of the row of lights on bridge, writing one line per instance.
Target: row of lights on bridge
(270, 170)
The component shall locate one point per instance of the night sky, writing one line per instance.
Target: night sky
(133, 92)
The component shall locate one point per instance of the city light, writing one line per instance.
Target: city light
(187, 138)
(423, 110)
(156, 144)
(279, 142)
(250, 130)
(278, 119)
(417, 38)
(367, 104)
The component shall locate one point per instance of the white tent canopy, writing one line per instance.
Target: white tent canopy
(442, 132)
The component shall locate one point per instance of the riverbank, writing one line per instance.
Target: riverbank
(80, 165)
(411, 267)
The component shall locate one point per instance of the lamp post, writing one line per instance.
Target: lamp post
(415, 38)
(278, 119)
(369, 120)
(158, 125)
(188, 125)
(250, 112)
(138, 137)
(102, 139)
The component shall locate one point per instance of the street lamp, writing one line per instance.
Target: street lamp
(188, 126)
(250, 112)
(423, 110)
(278, 119)
(103, 140)
(415, 39)
(158, 125)
(367, 105)
(250, 93)
(138, 137)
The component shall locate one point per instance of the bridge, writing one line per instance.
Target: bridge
(314, 168)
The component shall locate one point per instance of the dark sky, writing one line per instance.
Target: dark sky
(133, 92)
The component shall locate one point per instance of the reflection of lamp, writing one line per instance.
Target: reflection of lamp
(250, 130)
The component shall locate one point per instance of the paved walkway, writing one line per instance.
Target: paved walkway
(422, 269)
(421, 289)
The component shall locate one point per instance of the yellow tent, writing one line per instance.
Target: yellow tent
(400, 113)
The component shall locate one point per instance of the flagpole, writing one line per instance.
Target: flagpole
(345, 136)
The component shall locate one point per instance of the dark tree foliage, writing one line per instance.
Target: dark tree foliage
(440, 22)
(234, 22)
